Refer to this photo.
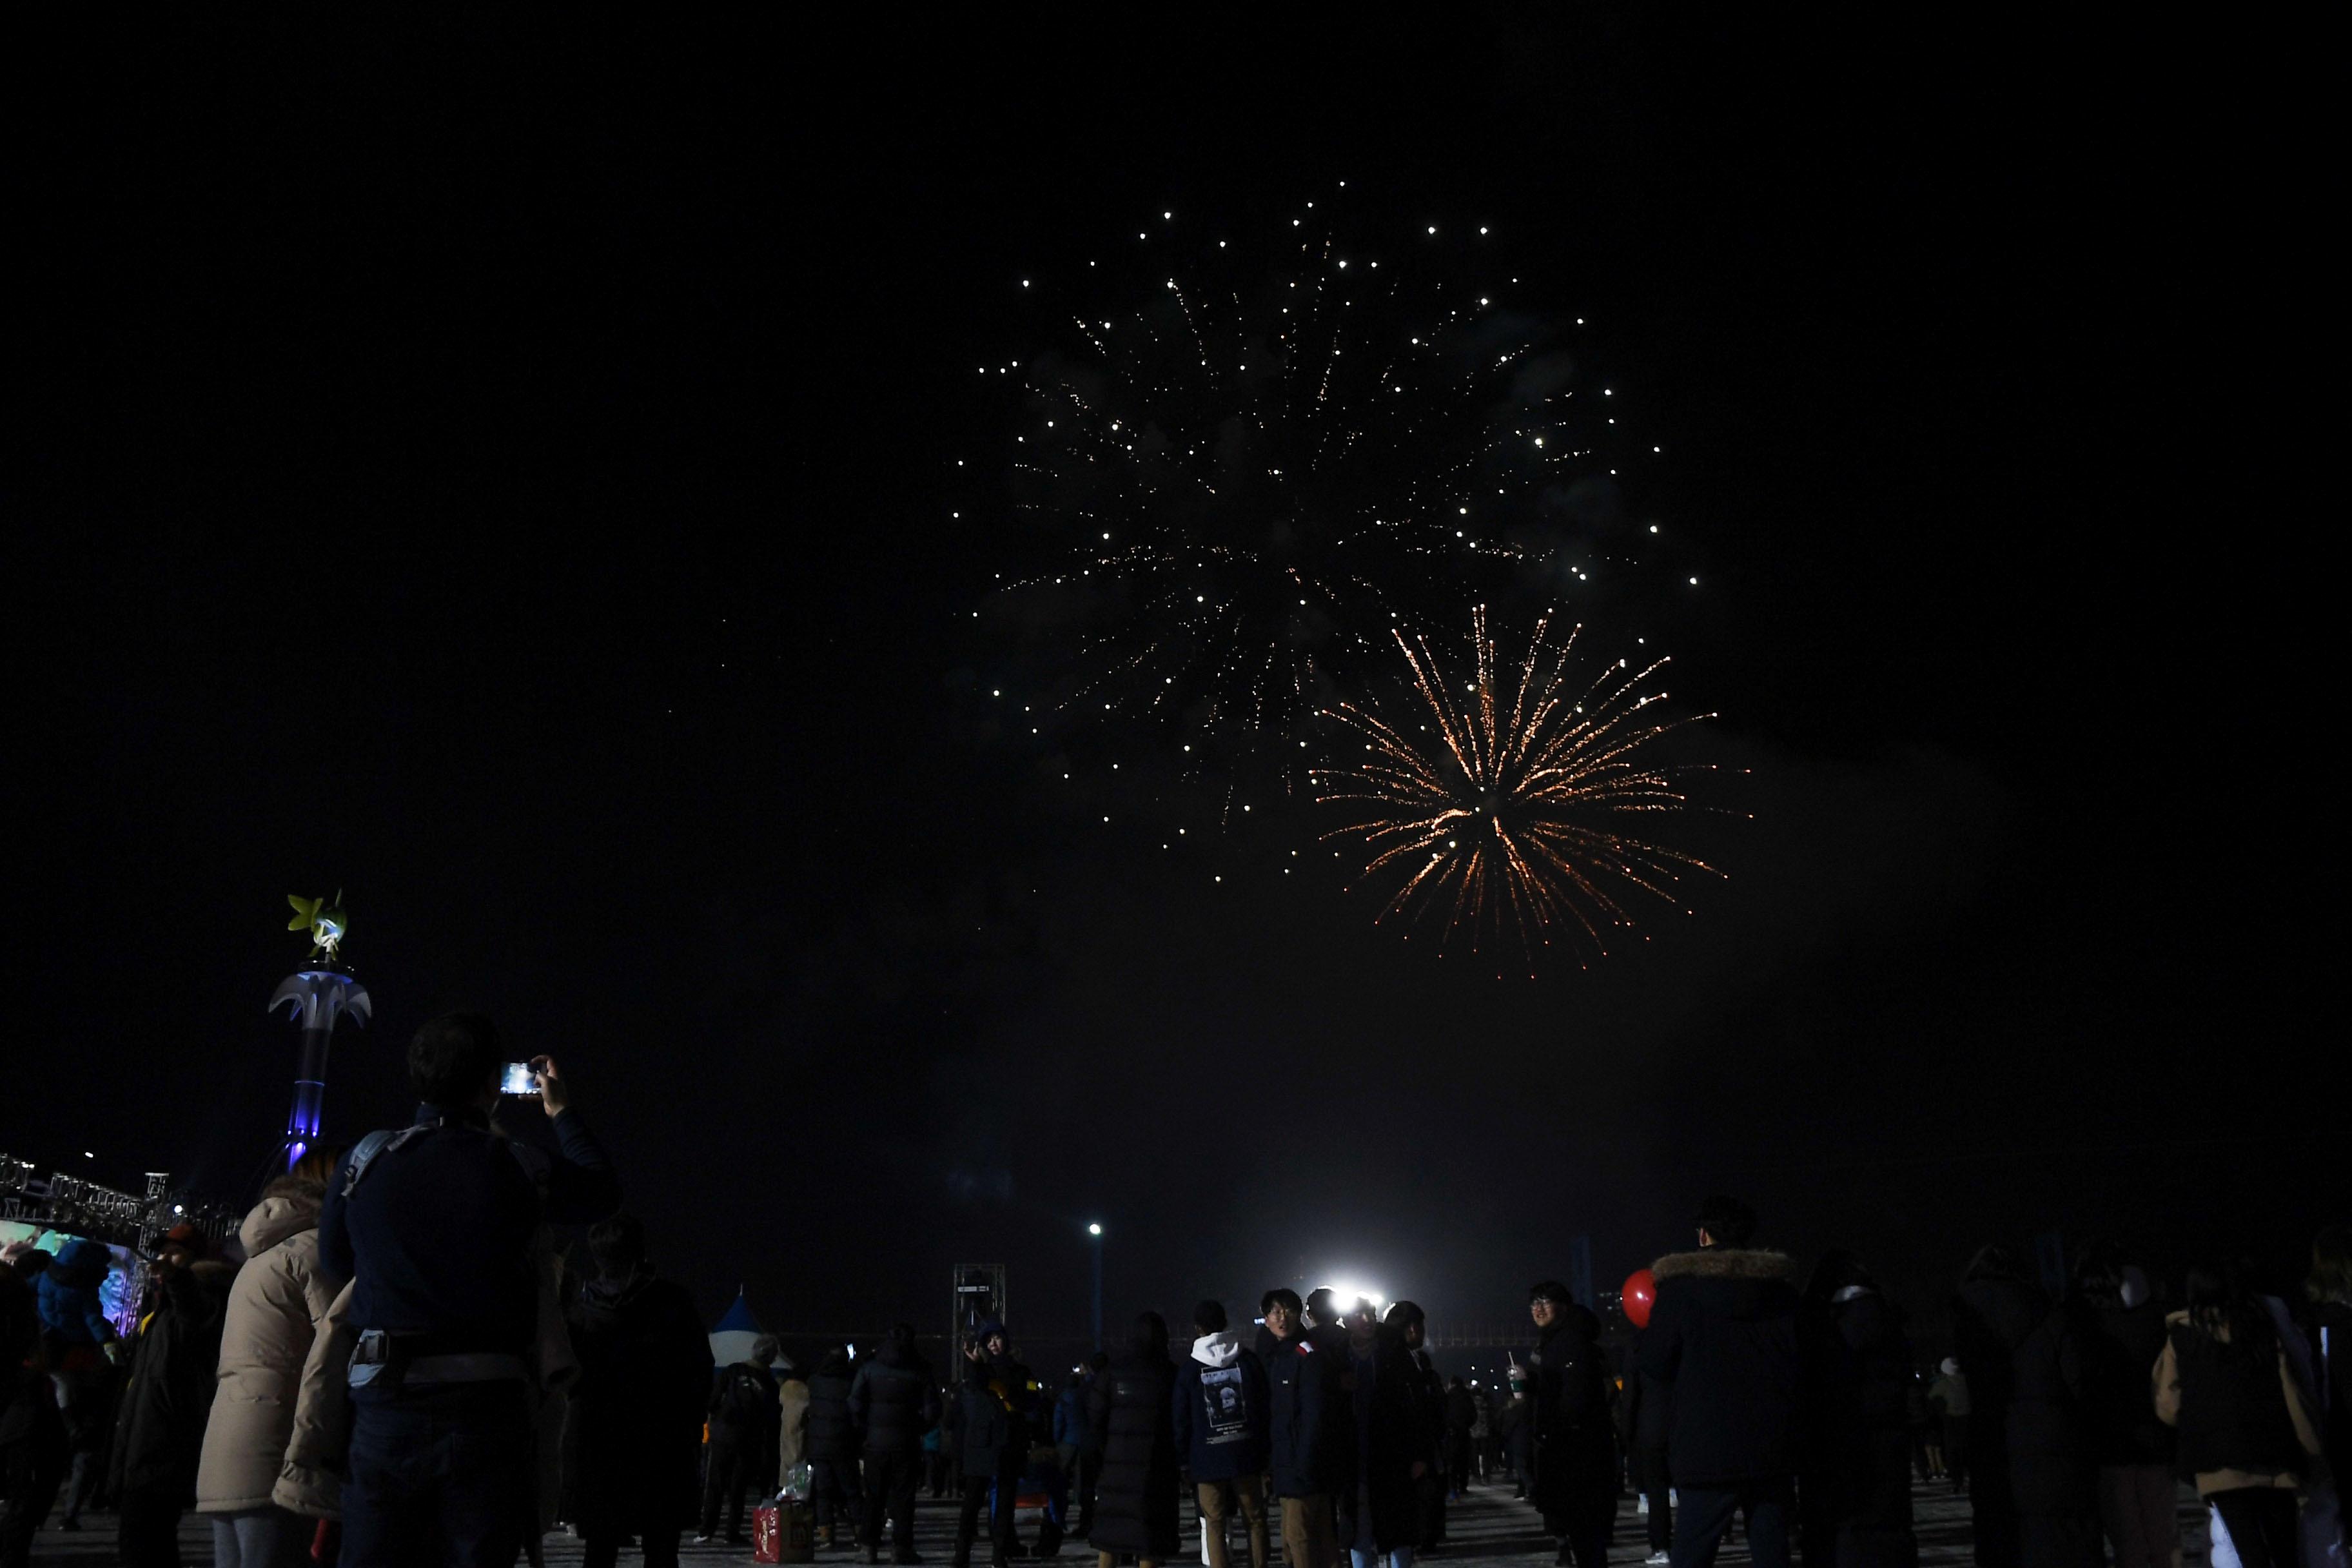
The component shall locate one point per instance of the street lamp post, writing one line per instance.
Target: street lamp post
(1094, 1231)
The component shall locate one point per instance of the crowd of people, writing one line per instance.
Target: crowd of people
(402, 1370)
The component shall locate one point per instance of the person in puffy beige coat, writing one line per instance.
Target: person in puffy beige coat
(277, 1310)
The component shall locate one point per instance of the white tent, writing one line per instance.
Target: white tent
(731, 1340)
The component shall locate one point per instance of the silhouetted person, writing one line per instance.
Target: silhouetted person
(745, 1416)
(1855, 1490)
(159, 1430)
(2122, 1334)
(2246, 1435)
(2031, 1488)
(1723, 1337)
(435, 1226)
(1133, 1404)
(833, 1446)
(892, 1404)
(1410, 1325)
(644, 1387)
(1569, 1403)
(994, 1411)
(1380, 1515)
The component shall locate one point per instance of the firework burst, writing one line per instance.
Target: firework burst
(1261, 470)
(1509, 813)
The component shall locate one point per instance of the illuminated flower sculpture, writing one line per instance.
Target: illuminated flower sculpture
(317, 996)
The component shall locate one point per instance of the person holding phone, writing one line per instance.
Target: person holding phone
(434, 1225)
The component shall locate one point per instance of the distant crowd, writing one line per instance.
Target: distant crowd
(394, 1367)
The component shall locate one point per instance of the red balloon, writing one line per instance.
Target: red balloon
(1641, 1293)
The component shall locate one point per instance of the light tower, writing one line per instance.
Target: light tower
(315, 996)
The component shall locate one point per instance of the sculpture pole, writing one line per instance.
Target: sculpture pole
(317, 997)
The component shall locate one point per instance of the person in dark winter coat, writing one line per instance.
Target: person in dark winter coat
(2031, 1493)
(994, 1412)
(1517, 1434)
(1133, 1404)
(1569, 1404)
(1409, 1323)
(2225, 1379)
(833, 1446)
(2329, 1288)
(1644, 1419)
(2122, 1333)
(159, 1431)
(746, 1419)
(1855, 1487)
(1723, 1337)
(1380, 1515)
(1075, 1447)
(68, 1292)
(438, 1228)
(892, 1404)
(1461, 1435)
(1310, 1448)
(32, 1433)
(1220, 1418)
(644, 1387)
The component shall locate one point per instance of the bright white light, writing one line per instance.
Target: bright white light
(1093, 1230)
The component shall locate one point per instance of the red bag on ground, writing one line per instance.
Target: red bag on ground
(767, 1534)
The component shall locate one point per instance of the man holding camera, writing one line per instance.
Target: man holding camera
(434, 1224)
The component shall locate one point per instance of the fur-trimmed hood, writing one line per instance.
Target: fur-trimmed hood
(1725, 1263)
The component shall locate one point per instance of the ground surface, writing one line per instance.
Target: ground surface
(1485, 1525)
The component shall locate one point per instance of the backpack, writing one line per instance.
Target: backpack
(745, 1401)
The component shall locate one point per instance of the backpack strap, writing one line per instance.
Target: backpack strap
(534, 1162)
(365, 1153)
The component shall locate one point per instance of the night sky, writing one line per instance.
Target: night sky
(508, 478)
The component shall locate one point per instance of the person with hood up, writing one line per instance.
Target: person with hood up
(159, 1431)
(77, 1340)
(1409, 1323)
(2032, 1493)
(833, 1446)
(892, 1405)
(1855, 1488)
(1723, 1338)
(1220, 1419)
(992, 1414)
(644, 1382)
(2123, 1333)
(69, 1291)
(1380, 1515)
(742, 1417)
(2247, 1436)
(1134, 1508)
(1307, 1432)
(276, 1310)
(1569, 1398)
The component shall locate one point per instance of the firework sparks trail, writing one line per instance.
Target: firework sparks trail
(1507, 813)
(1257, 471)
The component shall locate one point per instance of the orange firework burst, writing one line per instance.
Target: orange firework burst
(1509, 813)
